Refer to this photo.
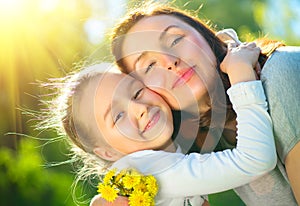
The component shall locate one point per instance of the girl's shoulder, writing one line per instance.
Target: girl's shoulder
(146, 161)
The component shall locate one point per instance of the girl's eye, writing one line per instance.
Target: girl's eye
(176, 41)
(150, 67)
(138, 93)
(119, 115)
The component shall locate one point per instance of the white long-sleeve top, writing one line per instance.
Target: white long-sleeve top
(180, 176)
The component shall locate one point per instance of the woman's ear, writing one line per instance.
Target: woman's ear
(107, 153)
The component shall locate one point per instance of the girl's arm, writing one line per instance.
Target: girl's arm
(195, 174)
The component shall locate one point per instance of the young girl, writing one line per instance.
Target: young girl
(181, 50)
(116, 119)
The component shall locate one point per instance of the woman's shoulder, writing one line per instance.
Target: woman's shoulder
(284, 54)
(284, 60)
(288, 49)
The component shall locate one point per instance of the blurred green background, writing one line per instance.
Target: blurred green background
(42, 39)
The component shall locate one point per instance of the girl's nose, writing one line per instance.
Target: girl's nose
(138, 109)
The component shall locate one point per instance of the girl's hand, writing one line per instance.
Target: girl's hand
(99, 201)
(240, 61)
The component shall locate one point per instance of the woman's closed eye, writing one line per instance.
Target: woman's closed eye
(176, 40)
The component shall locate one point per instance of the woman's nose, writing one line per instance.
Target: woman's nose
(171, 62)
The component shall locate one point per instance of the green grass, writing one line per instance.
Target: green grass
(225, 198)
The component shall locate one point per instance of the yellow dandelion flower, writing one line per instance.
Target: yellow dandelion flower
(141, 187)
(134, 172)
(138, 198)
(130, 180)
(108, 192)
(108, 177)
(120, 175)
(151, 185)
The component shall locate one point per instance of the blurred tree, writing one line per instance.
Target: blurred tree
(24, 182)
(280, 20)
(39, 39)
(238, 15)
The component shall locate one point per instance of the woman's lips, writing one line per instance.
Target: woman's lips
(184, 77)
(152, 121)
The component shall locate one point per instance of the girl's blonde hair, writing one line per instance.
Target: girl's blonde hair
(59, 116)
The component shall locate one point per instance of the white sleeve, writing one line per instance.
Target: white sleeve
(199, 174)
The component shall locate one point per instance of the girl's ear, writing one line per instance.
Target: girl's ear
(107, 154)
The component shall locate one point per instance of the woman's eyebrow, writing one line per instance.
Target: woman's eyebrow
(165, 31)
(163, 34)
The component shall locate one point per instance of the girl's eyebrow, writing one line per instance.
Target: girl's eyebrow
(107, 112)
(128, 86)
(139, 57)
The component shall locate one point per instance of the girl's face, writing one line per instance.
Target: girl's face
(131, 117)
(169, 56)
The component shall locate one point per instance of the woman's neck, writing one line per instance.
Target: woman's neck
(204, 107)
(204, 104)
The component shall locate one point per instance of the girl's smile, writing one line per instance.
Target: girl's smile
(128, 113)
(152, 122)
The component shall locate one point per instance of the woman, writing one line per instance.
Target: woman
(115, 118)
(167, 48)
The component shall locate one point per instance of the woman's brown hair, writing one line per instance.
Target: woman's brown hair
(218, 47)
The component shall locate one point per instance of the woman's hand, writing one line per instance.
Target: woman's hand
(240, 62)
(99, 201)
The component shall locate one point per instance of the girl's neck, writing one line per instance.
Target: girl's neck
(169, 147)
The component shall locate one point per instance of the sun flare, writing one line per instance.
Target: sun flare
(39, 39)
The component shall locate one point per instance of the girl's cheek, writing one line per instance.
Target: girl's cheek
(154, 80)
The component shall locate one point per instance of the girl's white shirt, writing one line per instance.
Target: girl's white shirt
(183, 178)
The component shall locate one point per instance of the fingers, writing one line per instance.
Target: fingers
(242, 55)
(253, 47)
(248, 45)
(245, 45)
(232, 45)
(257, 70)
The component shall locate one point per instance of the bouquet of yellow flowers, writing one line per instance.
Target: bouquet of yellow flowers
(139, 189)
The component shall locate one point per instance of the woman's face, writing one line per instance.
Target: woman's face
(129, 116)
(171, 58)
